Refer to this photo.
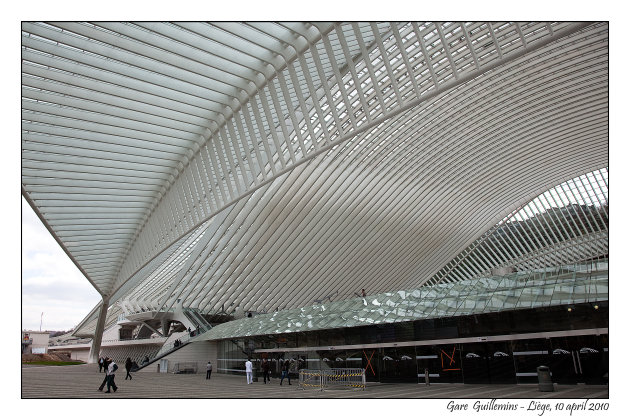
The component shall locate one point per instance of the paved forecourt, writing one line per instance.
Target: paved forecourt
(82, 381)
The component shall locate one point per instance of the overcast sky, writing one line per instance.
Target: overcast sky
(51, 283)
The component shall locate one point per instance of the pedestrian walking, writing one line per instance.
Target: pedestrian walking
(266, 370)
(100, 364)
(248, 371)
(105, 365)
(208, 370)
(285, 372)
(110, 376)
(128, 365)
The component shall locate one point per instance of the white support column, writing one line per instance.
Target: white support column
(95, 349)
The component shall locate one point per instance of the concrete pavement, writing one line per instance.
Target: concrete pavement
(82, 381)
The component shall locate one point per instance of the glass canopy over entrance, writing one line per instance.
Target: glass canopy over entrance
(565, 285)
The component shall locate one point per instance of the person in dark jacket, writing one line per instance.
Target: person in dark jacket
(128, 365)
(285, 371)
(266, 368)
(106, 362)
(100, 364)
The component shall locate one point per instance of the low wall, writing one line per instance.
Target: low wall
(80, 354)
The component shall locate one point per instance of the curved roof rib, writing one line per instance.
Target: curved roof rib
(338, 155)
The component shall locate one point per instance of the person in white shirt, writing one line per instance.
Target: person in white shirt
(248, 371)
(110, 376)
(208, 370)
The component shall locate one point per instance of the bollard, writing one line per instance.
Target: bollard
(544, 379)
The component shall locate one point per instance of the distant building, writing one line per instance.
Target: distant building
(35, 342)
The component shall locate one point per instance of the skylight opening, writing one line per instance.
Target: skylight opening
(577, 191)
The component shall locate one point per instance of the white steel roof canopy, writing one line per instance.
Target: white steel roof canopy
(298, 158)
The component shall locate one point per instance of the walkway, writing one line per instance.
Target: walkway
(82, 381)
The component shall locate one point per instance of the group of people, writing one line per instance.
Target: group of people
(194, 332)
(110, 367)
(266, 371)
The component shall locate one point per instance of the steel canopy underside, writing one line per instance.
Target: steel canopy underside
(255, 166)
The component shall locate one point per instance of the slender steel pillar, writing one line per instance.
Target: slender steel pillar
(98, 334)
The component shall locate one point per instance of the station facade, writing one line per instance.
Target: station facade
(453, 350)
(556, 318)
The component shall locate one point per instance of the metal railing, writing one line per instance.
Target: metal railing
(329, 378)
(309, 379)
(169, 347)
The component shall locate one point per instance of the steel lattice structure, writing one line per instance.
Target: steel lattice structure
(264, 165)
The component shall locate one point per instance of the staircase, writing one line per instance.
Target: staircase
(169, 347)
(197, 320)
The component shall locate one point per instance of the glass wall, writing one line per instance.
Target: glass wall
(232, 356)
(571, 359)
(528, 355)
(581, 359)
(501, 368)
(398, 364)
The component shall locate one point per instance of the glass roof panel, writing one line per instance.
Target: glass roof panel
(476, 296)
